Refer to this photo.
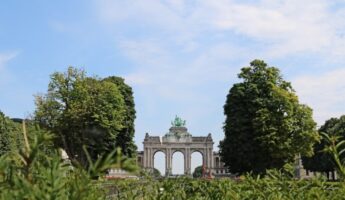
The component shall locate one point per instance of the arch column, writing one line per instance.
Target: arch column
(211, 160)
(152, 159)
(206, 157)
(187, 162)
(146, 158)
(168, 162)
(149, 158)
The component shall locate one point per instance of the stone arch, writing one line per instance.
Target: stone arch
(197, 151)
(178, 139)
(197, 159)
(203, 155)
(178, 157)
(158, 150)
(157, 157)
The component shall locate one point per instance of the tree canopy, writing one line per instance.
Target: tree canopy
(322, 161)
(265, 126)
(83, 110)
(126, 133)
(10, 135)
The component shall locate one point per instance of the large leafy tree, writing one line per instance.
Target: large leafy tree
(81, 111)
(125, 136)
(266, 126)
(322, 161)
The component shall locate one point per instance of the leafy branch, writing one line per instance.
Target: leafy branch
(336, 148)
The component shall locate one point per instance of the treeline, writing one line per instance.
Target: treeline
(266, 127)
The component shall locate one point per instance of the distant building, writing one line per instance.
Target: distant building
(178, 139)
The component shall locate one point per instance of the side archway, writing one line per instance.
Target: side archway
(159, 163)
(197, 160)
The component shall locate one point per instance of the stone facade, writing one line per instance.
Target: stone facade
(178, 139)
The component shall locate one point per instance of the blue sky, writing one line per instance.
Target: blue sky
(180, 57)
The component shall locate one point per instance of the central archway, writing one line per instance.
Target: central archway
(178, 163)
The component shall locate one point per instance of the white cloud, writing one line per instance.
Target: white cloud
(159, 70)
(288, 26)
(6, 57)
(325, 93)
(192, 44)
(5, 75)
(283, 27)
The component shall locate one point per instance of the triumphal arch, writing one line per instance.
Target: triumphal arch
(178, 139)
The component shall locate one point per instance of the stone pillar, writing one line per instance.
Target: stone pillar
(145, 157)
(168, 161)
(204, 158)
(207, 158)
(210, 158)
(151, 159)
(211, 161)
(186, 161)
(148, 157)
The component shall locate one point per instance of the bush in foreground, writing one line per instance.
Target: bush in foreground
(273, 186)
(31, 173)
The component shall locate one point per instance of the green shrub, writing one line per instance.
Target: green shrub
(31, 173)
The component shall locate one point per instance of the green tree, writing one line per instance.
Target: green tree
(265, 126)
(197, 172)
(322, 161)
(81, 110)
(10, 139)
(126, 134)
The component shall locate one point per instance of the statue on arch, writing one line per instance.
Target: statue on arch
(178, 122)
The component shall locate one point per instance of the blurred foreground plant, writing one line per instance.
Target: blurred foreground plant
(30, 173)
(336, 148)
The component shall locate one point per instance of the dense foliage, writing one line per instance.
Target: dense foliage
(31, 173)
(322, 161)
(9, 135)
(265, 126)
(81, 110)
(274, 186)
(124, 139)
